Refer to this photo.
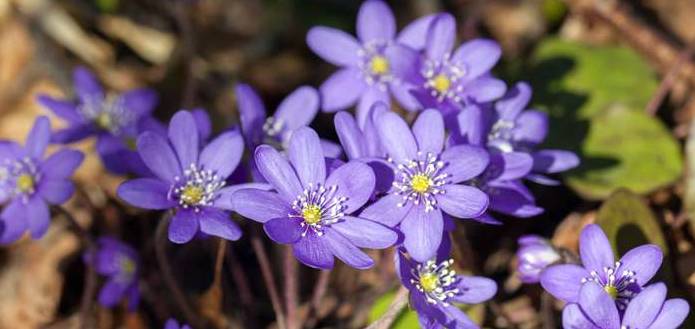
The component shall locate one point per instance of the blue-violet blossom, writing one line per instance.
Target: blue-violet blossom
(427, 181)
(311, 209)
(190, 179)
(621, 280)
(116, 120)
(29, 183)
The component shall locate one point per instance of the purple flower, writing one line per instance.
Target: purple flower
(297, 110)
(120, 264)
(446, 78)
(620, 280)
(371, 67)
(188, 180)
(116, 120)
(512, 131)
(311, 210)
(363, 144)
(647, 310)
(535, 254)
(434, 287)
(173, 324)
(427, 182)
(29, 183)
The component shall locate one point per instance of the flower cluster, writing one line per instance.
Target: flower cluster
(465, 155)
(121, 265)
(601, 292)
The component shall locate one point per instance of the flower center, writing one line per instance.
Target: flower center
(108, 113)
(192, 194)
(104, 120)
(436, 281)
(611, 291)
(429, 282)
(441, 77)
(379, 65)
(127, 265)
(197, 188)
(620, 285)
(420, 181)
(441, 83)
(25, 183)
(21, 176)
(318, 206)
(311, 214)
(375, 67)
(500, 136)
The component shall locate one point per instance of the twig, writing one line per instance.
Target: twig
(267, 272)
(320, 287)
(547, 316)
(399, 302)
(90, 284)
(240, 278)
(669, 79)
(188, 50)
(291, 287)
(219, 262)
(161, 241)
(660, 49)
(241, 282)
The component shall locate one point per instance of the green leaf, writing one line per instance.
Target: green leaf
(406, 320)
(107, 6)
(600, 76)
(595, 98)
(629, 222)
(626, 149)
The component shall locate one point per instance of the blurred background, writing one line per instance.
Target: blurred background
(615, 76)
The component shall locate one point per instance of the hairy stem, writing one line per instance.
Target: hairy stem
(161, 241)
(399, 302)
(267, 272)
(291, 287)
(90, 284)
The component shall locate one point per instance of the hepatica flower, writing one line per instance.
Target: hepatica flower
(446, 78)
(647, 310)
(371, 67)
(116, 120)
(189, 181)
(511, 130)
(120, 264)
(534, 255)
(311, 210)
(173, 324)
(620, 280)
(435, 287)
(297, 110)
(427, 181)
(363, 144)
(30, 182)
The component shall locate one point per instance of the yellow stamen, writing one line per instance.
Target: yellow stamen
(379, 65)
(131, 143)
(25, 183)
(311, 214)
(441, 83)
(192, 194)
(429, 282)
(104, 120)
(127, 265)
(611, 291)
(420, 183)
